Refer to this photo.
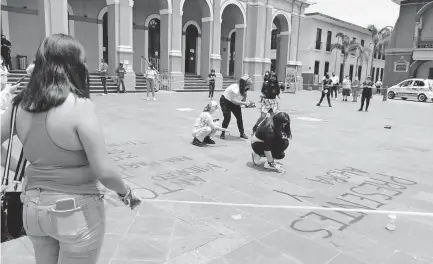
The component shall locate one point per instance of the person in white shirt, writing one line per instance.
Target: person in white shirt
(378, 85)
(334, 90)
(233, 97)
(3, 73)
(205, 126)
(151, 75)
(347, 85)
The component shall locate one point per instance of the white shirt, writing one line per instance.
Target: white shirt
(335, 79)
(151, 74)
(204, 120)
(347, 84)
(232, 93)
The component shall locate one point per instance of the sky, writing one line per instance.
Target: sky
(380, 13)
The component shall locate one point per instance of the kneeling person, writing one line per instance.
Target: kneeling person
(271, 140)
(205, 126)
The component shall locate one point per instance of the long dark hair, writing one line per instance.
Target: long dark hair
(60, 69)
(279, 124)
(243, 82)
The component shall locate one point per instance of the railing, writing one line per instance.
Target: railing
(424, 42)
(163, 80)
(155, 62)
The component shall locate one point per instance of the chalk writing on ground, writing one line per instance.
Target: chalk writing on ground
(371, 194)
(175, 180)
(128, 143)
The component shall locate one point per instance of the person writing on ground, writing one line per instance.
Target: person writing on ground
(233, 97)
(63, 142)
(269, 104)
(355, 89)
(205, 126)
(367, 93)
(120, 72)
(346, 87)
(271, 140)
(211, 80)
(151, 75)
(327, 86)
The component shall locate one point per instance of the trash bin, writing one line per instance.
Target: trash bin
(22, 62)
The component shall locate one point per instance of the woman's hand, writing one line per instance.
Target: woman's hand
(11, 88)
(224, 130)
(130, 199)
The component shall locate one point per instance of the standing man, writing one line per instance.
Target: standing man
(335, 80)
(367, 93)
(120, 71)
(379, 85)
(103, 72)
(6, 52)
(327, 86)
(355, 89)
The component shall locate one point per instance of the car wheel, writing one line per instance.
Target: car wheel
(422, 98)
(391, 95)
(404, 98)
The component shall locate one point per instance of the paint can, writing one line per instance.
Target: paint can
(391, 222)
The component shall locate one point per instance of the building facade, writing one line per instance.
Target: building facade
(180, 36)
(319, 33)
(410, 50)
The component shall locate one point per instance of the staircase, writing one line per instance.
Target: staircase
(95, 81)
(228, 80)
(140, 82)
(194, 83)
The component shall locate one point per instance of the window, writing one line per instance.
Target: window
(383, 51)
(316, 67)
(362, 42)
(405, 83)
(351, 72)
(328, 41)
(419, 83)
(319, 39)
(274, 39)
(372, 73)
(326, 68)
(377, 74)
(341, 72)
(379, 52)
(359, 72)
(381, 74)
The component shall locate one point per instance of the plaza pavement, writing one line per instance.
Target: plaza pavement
(338, 158)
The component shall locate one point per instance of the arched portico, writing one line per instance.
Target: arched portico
(280, 41)
(233, 38)
(103, 49)
(152, 33)
(71, 21)
(191, 41)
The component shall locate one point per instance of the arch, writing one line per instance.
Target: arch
(169, 7)
(229, 49)
(5, 20)
(191, 22)
(283, 19)
(150, 17)
(71, 22)
(236, 3)
(231, 32)
(101, 31)
(423, 9)
(209, 5)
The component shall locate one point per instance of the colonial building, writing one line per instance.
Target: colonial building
(179, 36)
(319, 33)
(410, 50)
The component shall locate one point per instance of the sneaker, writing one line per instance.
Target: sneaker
(223, 135)
(330, 105)
(317, 104)
(154, 99)
(147, 99)
(256, 158)
(359, 110)
(208, 140)
(366, 110)
(197, 142)
(244, 136)
(268, 166)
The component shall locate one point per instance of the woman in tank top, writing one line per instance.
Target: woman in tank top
(64, 144)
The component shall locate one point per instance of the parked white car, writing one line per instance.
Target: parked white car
(420, 89)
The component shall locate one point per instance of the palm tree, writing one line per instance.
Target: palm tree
(379, 38)
(347, 47)
(362, 56)
(337, 46)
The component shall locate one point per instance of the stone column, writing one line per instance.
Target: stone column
(268, 37)
(183, 51)
(198, 58)
(283, 50)
(206, 46)
(255, 44)
(215, 56)
(120, 37)
(175, 53)
(53, 17)
(165, 40)
(225, 56)
(239, 48)
(294, 63)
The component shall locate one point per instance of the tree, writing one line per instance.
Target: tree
(347, 47)
(379, 37)
(362, 56)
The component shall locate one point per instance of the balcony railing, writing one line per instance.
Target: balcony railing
(424, 43)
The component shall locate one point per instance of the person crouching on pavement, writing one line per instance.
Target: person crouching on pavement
(327, 86)
(367, 93)
(205, 126)
(271, 140)
(269, 103)
(346, 87)
(233, 97)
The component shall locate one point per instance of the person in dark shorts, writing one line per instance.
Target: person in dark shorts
(271, 140)
(211, 79)
(327, 86)
(367, 93)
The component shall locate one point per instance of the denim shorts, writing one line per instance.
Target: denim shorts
(73, 232)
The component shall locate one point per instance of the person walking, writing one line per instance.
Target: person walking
(211, 80)
(120, 72)
(271, 140)
(335, 86)
(355, 89)
(103, 74)
(367, 93)
(6, 51)
(347, 85)
(63, 142)
(326, 91)
(151, 75)
(233, 97)
(269, 104)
